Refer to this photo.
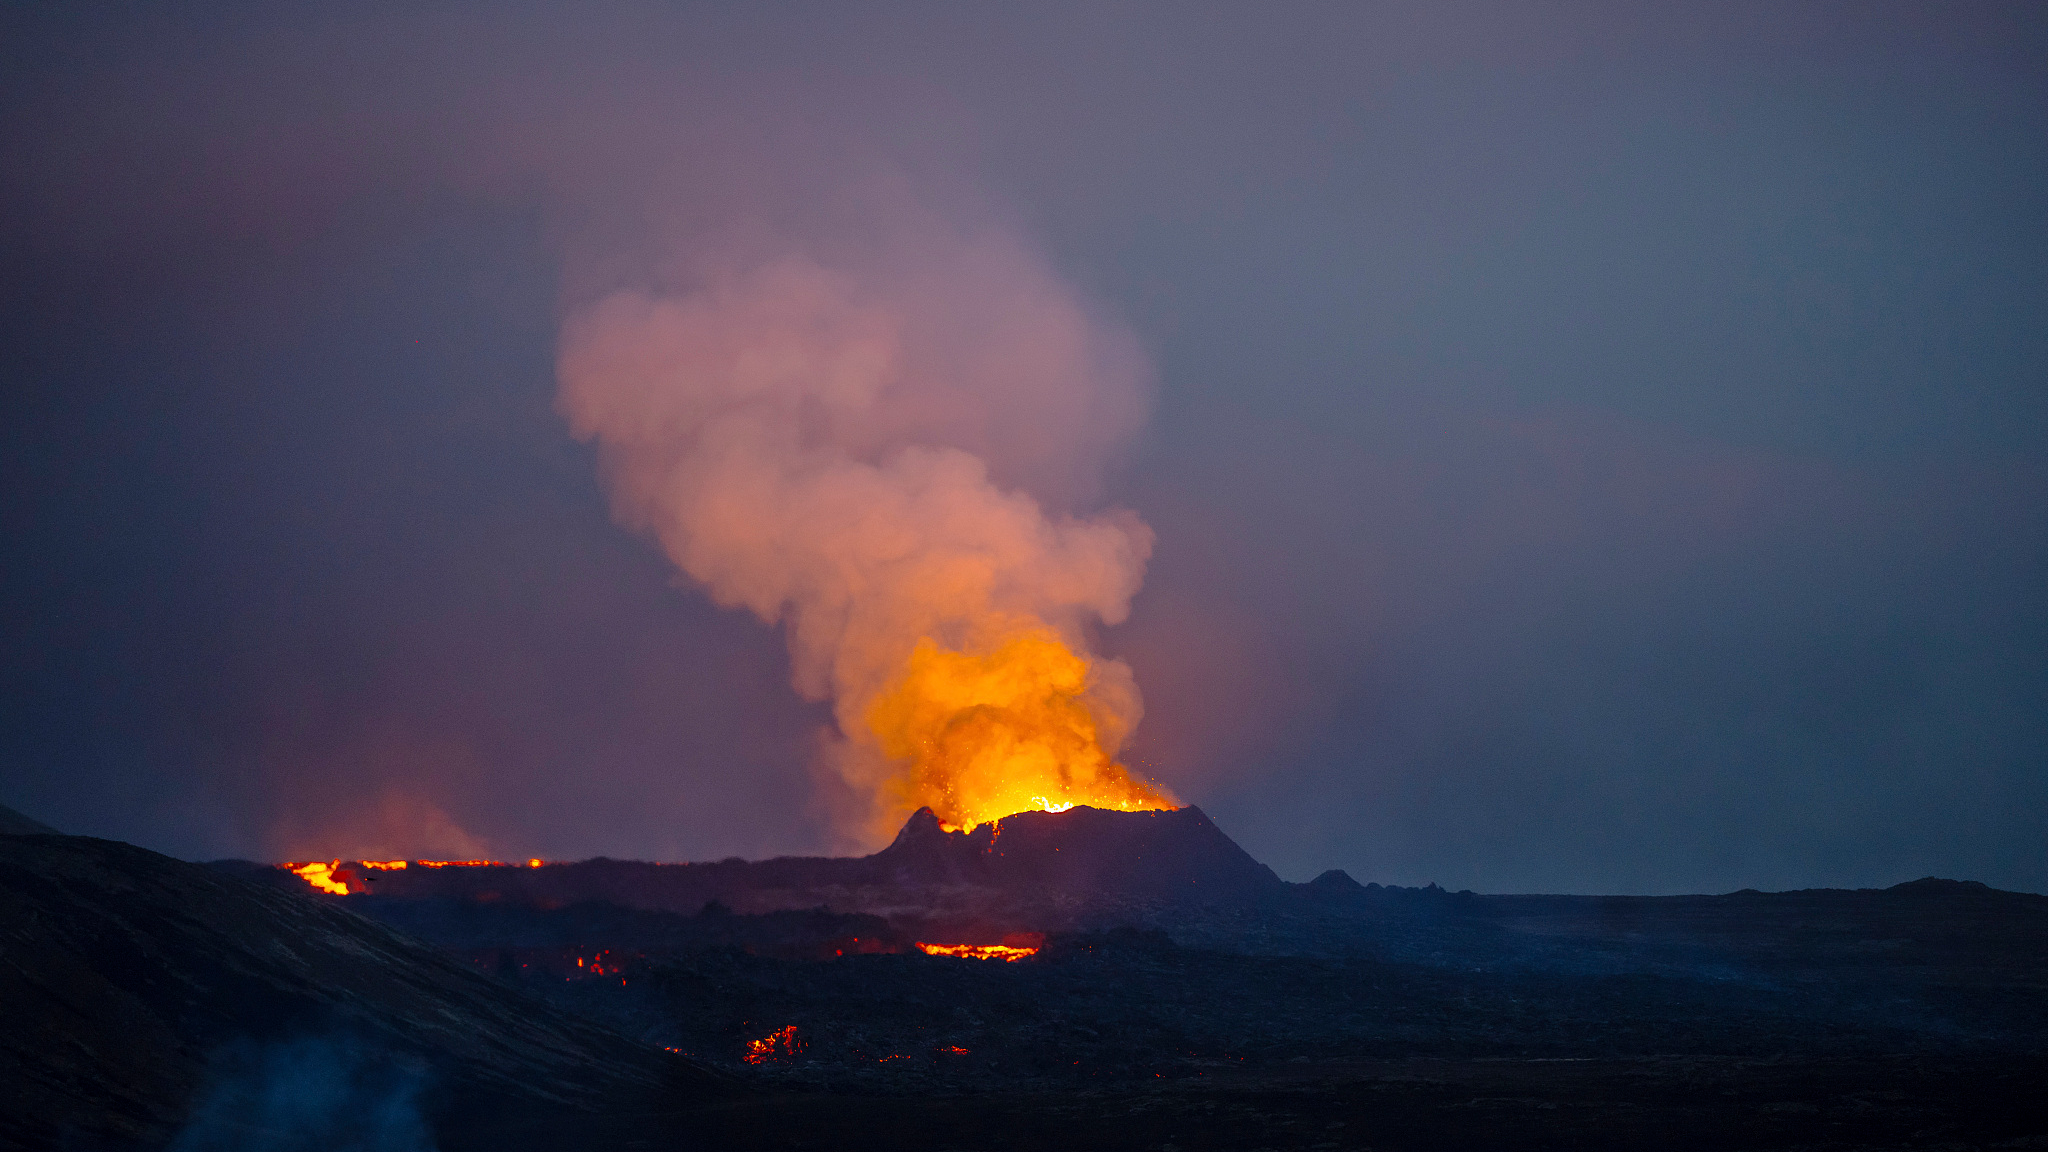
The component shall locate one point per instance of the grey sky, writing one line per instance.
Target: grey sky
(1596, 448)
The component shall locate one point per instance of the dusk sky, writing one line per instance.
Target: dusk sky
(1587, 448)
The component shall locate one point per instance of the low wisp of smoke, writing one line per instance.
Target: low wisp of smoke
(857, 450)
(325, 1093)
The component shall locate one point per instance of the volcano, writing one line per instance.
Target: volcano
(1033, 870)
(1174, 855)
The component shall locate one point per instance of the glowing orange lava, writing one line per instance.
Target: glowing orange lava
(601, 964)
(977, 951)
(781, 1044)
(320, 874)
(1017, 729)
(341, 877)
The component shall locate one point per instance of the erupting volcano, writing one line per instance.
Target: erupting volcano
(991, 735)
(882, 456)
(1005, 880)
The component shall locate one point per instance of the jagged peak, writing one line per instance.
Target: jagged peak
(922, 825)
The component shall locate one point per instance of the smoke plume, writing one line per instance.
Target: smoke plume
(883, 453)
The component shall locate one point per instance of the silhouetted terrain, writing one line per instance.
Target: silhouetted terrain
(127, 973)
(1316, 992)
(1930, 967)
(1033, 871)
(13, 823)
(530, 1007)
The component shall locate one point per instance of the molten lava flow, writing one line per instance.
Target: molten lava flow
(781, 1044)
(977, 951)
(320, 874)
(1012, 730)
(332, 877)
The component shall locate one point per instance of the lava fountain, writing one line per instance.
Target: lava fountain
(989, 735)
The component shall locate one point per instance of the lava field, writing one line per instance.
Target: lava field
(1205, 1004)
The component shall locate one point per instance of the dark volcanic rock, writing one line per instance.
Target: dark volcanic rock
(1034, 870)
(1183, 997)
(1178, 855)
(557, 937)
(123, 971)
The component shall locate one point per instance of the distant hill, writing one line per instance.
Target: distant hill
(13, 823)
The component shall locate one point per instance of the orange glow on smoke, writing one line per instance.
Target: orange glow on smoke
(781, 1044)
(1011, 731)
(977, 951)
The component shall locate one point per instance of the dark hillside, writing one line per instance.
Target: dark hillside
(123, 972)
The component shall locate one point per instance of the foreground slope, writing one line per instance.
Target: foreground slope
(122, 972)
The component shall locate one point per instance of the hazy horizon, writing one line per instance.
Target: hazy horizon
(1601, 449)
